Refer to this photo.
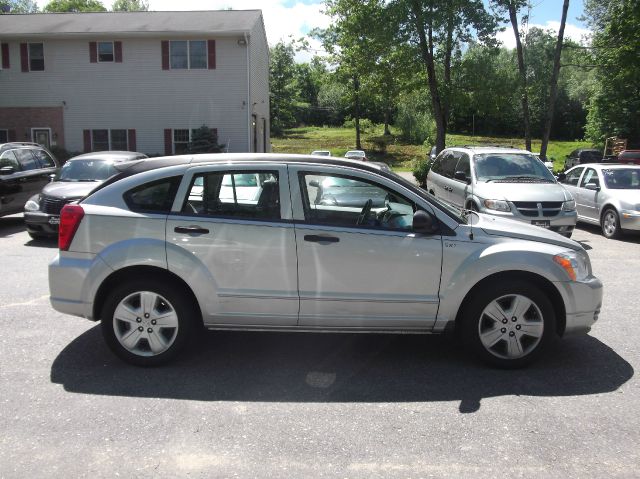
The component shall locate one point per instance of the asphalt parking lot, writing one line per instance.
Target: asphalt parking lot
(313, 405)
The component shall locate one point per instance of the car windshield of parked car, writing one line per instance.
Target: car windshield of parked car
(511, 168)
(86, 170)
(622, 178)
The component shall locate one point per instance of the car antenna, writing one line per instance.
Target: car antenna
(471, 212)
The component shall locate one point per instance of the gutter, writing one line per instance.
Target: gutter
(249, 106)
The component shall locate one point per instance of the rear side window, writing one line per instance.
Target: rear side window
(155, 197)
(235, 194)
(27, 160)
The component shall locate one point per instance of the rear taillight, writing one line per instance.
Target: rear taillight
(70, 218)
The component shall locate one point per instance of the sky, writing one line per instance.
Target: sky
(286, 18)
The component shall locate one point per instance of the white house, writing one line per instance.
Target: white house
(138, 81)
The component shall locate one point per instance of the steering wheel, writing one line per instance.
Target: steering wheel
(365, 212)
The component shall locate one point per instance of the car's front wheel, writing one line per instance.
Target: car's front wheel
(147, 323)
(610, 224)
(509, 324)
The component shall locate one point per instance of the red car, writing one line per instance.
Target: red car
(629, 157)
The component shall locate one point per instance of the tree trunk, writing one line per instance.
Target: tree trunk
(426, 51)
(356, 88)
(523, 77)
(553, 87)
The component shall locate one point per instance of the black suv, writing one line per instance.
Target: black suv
(581, 156)
(25, 168)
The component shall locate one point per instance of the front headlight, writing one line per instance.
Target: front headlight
(575, 263)
(569, 205)
(33, 204)
(499, 205)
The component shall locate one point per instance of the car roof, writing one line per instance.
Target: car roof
(488, 149)
(20, 144)
(110, 155)
(608, 166)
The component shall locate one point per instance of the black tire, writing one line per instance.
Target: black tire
(610, 224)
(169, 302)
(539, 316)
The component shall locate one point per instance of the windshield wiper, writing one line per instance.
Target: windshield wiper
(538, 178)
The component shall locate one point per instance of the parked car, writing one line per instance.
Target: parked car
(547, 164)
(629, 157)
(502, 182)
(321, 152)
(77, 177)
(582, 156)
(606, 195)
(158, 268)
(356, 155)
(24, 169)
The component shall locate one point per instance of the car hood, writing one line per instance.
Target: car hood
(495, 226)
(521, 191)
(69, 189)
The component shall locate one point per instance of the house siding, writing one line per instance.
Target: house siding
(259, 85)
(135, 94)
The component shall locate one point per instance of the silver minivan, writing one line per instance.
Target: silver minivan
(503, 182)
(162, 251)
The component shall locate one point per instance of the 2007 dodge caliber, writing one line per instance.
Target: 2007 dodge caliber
(251, 241)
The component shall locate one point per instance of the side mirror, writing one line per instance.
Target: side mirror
(314, 183)
(52, 177)
(462, 176)
(424, 223)
(592, 186)
(7, 170)
(561, 177)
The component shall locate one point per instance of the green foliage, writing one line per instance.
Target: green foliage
(204, 140)
(282, 85)
(420, 168)
(366, 125)
(614, 109)
(130, 6)
(61, 6)
(18, 6)
(414, 119)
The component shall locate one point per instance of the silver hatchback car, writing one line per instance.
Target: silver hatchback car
(607, 195)
(503, 182)
(160, 251)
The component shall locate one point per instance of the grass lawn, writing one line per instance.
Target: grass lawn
(399, 155)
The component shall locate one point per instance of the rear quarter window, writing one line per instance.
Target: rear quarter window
(156, 196)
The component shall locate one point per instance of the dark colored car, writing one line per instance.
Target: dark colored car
(629, 157)
(24, 169)
(582, 156)
(75, 180)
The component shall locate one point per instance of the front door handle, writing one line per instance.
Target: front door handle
(322, 239)
(191, 230)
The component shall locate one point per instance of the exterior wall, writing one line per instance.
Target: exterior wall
(135, 94)
(259, 81)
(22, 120)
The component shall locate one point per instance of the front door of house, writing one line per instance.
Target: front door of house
(42, 136)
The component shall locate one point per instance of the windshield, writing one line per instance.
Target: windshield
(511, 167)
(86, 170)
(622, 178)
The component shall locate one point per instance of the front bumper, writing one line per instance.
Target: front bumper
(563, 223)
(582, 301)
(41, 223)
(630, 220)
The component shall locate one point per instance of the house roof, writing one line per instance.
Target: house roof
(219, 22)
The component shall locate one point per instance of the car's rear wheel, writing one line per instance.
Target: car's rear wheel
(147, 323)
(610, 223)
(509, 324)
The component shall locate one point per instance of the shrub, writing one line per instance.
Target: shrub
(366, 125)
(204, 140)
(415, 121)
(420, 168)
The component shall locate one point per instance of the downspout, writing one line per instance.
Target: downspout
(249, 106)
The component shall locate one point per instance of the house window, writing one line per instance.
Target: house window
(105, 140)
(4, 136)
(99, 140)
(189, 55)
(36, 57)
(181, 141)
(105, 51)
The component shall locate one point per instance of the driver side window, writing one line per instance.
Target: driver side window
(347, 201)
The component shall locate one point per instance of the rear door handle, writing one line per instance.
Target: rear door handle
(191, 230)
(321, 239)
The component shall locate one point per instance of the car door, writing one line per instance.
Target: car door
(458, 193)
(359, 269)
(570, 182)
(589, 197)
(27, 180)
(245, 243)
